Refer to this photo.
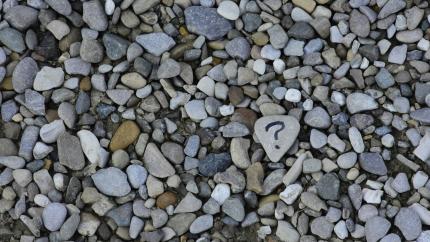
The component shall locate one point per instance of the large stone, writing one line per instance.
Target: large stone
(94, 15)
(206, 21)
(156, 163)
(21, 17)
(156, 43)
(70, 152)
(373, 163)
(277, 134)
(125, 135)
(53, 216)
(112, 182)
(24, 73)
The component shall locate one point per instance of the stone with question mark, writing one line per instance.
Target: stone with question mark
(276, 134)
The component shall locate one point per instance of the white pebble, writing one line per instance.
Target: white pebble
(226, 110)
(293, 95)
(228, 10)
(259, 66)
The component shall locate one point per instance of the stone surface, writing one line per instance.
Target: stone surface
(277, 134)
(111, 181)
(207, 22)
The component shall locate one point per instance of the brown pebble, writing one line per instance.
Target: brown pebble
(125, 135)
(166, 199)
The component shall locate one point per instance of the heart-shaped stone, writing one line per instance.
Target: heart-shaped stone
(277, 134)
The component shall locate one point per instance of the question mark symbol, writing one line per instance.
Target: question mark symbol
(270, 125)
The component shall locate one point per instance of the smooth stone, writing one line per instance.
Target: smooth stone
(168, 69)
(322, 227)
(188, 204)
(94, 15)
(373, 163)
(328, 187)
(287, 131)
(53, 216)
(70, 152)
(24, 73)
(234, 208)
(201, 224)
(136, 175)
(156, 43)
(318, 118)
(238, 48)
(357, 102)
(207, 22)
(90, 146)
(421, 115)
(214, 163)
(111, 181)
(12, 39)
(60, 6)
(21, 17)
(116, 47)
(376, 228)
(49, 133)
(155, 163)
(48, 78)
(409, 223)
(125, 135)
(229, 10)
(291, 193)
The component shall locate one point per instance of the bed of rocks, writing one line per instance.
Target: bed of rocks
(214, 120)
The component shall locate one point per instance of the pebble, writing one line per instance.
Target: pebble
(155, 163)
(274, 149)
(125, 135)
(48, 78)
(201, 224)
(53, 216)
(373, 163)
(156, 43)
(69, 151)
(111, 181)
(207, 22)
(228, 10)
(358, 102)
(409, 223)
(94, 15)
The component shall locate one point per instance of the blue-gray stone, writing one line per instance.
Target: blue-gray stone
(214, 163)
(373, 163)
(207, 22)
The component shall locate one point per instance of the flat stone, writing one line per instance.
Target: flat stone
(322, 227)
(91, 51)
(48, 78)
(94, 15)
(359, 24)
(60, 6)
(141, 6)
(421, 115)
(270, 130)
(214, 163)
(49, 133)
(116, 47)
(155, 162)
(111, 181)
(409, 223)
(121, 215)
(286, 232)
(238, 47)
(24, 73)
(90, 146)
(156, 43)
(384, 79)
(125, 135)
(201, 224)
(291, 193)
(391, 7)
(53, 216)
(188, 204)
(328, 187)
(21, 17)
(234, 208)
(318, 118)
(12, 39)
(357, 102)
(70, 152)
(229, 10)
(373, 163)
(168, 69)
(206, 21)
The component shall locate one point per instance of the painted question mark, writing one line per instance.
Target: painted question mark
(277, 131)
